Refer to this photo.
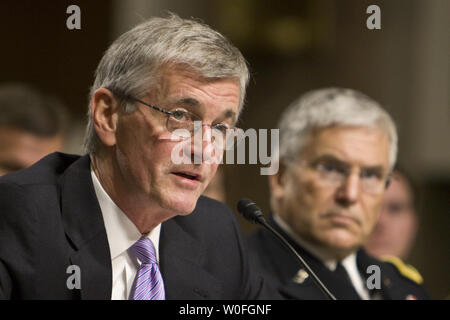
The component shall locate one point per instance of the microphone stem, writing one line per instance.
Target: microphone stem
(303, 262)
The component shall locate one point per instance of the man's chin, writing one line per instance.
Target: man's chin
(183, 207)
(343, 242)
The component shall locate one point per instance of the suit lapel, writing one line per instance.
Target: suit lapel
(84, 226)
(182, 260)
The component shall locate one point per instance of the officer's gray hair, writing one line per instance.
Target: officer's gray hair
(328, 107)
(133, 64)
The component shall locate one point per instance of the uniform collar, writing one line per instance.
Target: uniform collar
(311, 248)
(349, 262)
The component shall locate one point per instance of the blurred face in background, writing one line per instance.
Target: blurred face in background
(396, 229)
(20, 149)
(332, 195)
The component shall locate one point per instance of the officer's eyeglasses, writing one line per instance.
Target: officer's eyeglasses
(334, 173)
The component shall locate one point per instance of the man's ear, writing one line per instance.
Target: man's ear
(277, 182)
(105, 114)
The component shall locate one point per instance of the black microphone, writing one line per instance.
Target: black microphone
(253, 213)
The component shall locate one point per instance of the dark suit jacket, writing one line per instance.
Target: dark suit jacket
(50, 219)
(282, 270)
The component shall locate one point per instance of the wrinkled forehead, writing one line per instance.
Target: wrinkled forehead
(180, 87)
(363, 146)
(170, 77)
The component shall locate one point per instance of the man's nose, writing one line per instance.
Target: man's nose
(201, 145)
(348, 193)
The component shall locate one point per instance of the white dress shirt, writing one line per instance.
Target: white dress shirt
(122, 234)
(349, 262)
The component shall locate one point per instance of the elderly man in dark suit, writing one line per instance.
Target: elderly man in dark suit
(337, 149)
(126, 221)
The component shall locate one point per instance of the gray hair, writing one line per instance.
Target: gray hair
(132, 65)
(328, 107)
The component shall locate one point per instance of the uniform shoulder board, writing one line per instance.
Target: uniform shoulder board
(405, 270)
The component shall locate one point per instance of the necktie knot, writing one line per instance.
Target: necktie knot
(144, 250)
(340, 269)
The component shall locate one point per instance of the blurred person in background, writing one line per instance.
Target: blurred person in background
(396, 229)
(32, 125)
(395, 232)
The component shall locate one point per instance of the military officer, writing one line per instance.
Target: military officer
(337, 150)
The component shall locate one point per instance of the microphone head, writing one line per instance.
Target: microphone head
(250, 211)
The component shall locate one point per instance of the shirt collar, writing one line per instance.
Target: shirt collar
(120, 230)
(349, 263)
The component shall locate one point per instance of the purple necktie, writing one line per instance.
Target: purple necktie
(148, 284)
